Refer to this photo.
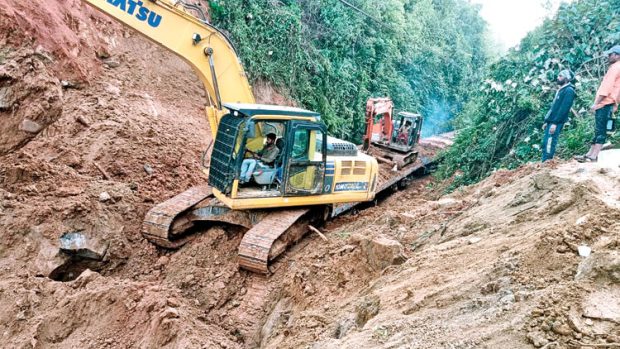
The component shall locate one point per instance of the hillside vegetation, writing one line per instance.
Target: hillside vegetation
(501, 125)
(330, 57)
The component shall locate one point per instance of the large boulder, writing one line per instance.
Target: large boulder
(381, 251)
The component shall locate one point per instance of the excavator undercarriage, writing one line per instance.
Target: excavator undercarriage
(269, 231)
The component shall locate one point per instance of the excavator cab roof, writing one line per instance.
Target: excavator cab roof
(264, 109)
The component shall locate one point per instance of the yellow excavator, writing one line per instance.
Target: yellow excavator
(311, 175)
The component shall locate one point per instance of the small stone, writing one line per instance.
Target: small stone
(102, 54)
(21, 316)
(30, 126)
(162, 262)
(113, 90)
(6, 97)
(173, 302)
(69, 84)
(112, 63)
(563, 249)
(170, 313)
(474, 240)
(104, 197)
(508, 299)
(561, 329)
(537, 339)
(589, 322)
(148, 169)
(537, 312)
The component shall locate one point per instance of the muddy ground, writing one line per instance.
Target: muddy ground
(98, 125)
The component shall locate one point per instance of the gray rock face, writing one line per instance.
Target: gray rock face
(81, 245)
(600, 266)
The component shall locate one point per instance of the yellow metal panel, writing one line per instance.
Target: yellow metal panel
(244, 204)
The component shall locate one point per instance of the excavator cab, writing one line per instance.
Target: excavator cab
(406, 130)
(299, 168)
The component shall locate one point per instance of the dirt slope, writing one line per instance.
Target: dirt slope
(490, 266)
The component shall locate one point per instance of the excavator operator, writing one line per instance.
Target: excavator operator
(267, 156)
(403, 133)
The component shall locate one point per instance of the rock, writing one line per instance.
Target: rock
(113, 90)
(561, 329)
(605, 266)
(382, 252)
(85, 278)
(148, 169)
(112, 63)
(474, 240)
(366, 310)
(104, 197)
(162, 262)
(6, 98)
(82, 245)
(48, 259)
(170, 313)
(537, 339)
(603, 305)
(173, 302)
(102, 54)
(508, 299)
(69, 84)
(30, 126)
(582, 220)
(575, 323)
(343, 327)
(346, 249)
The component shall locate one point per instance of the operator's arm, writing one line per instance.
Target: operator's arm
(269, 155)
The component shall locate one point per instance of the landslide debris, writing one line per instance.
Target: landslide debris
(493, 265)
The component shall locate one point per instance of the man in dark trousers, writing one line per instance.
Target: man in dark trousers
(605, 103)
(558, 114)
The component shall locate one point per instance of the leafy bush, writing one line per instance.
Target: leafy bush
(328, 57)
(500, 127)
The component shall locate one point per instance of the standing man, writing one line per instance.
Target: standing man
(267, 156)
(605, 103)
(558, 114)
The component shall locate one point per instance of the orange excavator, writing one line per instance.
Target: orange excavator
(390, 139)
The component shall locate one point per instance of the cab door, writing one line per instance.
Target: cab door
(307, 155)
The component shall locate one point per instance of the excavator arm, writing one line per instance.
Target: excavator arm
(207, 50)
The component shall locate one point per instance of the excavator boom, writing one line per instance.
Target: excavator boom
(207, 50)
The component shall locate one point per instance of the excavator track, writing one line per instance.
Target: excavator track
(259, 245)
(164, 223)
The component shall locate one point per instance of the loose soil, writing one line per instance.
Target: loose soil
(121, 127)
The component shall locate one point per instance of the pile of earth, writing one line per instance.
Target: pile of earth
(97, 125)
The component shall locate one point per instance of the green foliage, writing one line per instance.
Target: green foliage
(328, 57)
(501, 125)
